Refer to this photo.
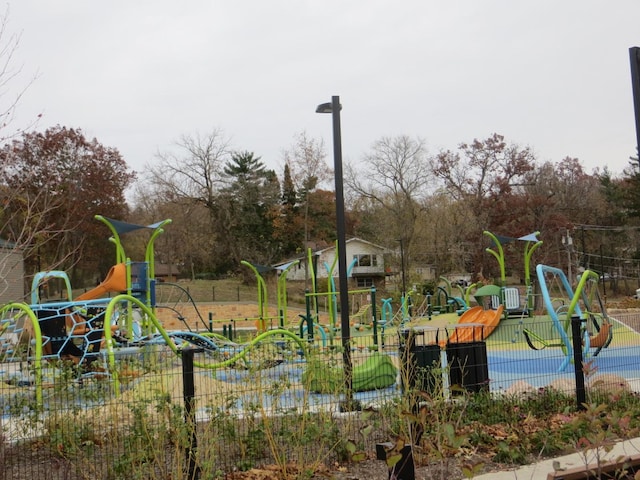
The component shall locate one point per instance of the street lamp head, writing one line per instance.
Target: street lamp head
(326, 108)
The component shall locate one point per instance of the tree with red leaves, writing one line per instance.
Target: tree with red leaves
(53, 183)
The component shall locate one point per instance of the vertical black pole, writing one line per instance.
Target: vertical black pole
(604, 285)
(576, 338)
(634, 57)
(584, 249)
(374, 314)
(342, 250)
(314, 259)
(334, 108)
(188, 388)
(404, 282)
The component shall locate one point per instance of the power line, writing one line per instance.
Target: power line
(606, 257)
(607, 228)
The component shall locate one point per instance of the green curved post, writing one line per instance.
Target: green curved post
(447, 282)
(282, 292)
(37, 333)
(573, 306)
(108, 339)
(467, 292)
(111, 348)
(312, 274)
(120, 255)
(405, 306)
(331, 289)
(149, 258)
(120, 258)
(529, 248)
(263, 303)
(499, 256)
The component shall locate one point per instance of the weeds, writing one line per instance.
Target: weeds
(268, 416)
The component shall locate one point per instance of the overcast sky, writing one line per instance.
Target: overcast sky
(138, 74)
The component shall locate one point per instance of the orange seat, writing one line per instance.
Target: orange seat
(600, 339)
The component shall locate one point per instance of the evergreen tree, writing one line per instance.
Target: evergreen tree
(288, 224)
(251, 194)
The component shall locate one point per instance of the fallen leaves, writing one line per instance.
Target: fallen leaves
(279, 472)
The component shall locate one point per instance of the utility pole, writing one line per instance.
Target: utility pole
(567, 241)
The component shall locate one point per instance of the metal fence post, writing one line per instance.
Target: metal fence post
(188, 388)
(576, 337)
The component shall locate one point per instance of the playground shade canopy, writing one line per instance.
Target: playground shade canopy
(486, 291)
(124, 227)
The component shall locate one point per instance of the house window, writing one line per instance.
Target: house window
(366, 260)
(364, 282)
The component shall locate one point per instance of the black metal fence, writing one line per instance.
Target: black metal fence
(280, 402)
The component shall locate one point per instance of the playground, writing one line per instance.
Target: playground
(509, 332)
(120, 342)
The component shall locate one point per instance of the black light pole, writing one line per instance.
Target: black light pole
(334, 109)
(634, 57)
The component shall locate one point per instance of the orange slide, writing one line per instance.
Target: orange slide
(481, 323)
(116, 281)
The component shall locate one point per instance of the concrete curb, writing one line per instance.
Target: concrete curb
(541, 469)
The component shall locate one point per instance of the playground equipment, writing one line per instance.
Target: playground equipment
(90, 330)
(585, 303)
(450, 302)
(263, 302)
(78, 330)
(118, 316)
(331, 287)
(376, 372)
(476, 324)
(510, 296)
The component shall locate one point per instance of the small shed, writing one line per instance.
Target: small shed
(166, 272)
(11, 273)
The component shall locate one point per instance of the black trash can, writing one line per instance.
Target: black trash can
(419, 356)
(467, 361)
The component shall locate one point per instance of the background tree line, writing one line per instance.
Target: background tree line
(228, 206)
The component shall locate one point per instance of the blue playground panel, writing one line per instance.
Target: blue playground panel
(540, 368)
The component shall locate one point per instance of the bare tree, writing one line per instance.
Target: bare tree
(395, 176)
(25, 219)
(10, 74)
(306, 160)
(12, 85)
(193, 173)
(188, 241)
